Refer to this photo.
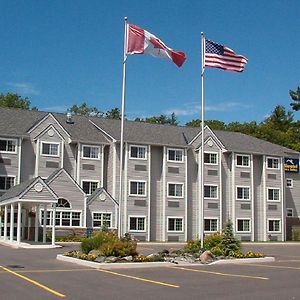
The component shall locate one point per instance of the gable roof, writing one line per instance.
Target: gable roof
(96, 193)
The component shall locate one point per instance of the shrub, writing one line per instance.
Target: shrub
(97, 240)
(295, 234)
(229, 244)
(217, 251)
(213, 240)
(118, 248)
(193, 246)
(143, 258)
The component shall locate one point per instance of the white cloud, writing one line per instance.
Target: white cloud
(23, 88)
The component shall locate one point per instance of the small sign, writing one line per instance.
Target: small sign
(291, 165)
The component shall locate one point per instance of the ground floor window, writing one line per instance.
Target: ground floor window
(62, 218)
(175, 224)
(137, 223)
(274, 226)
(101, 219)
(211, 225)
(243, 225)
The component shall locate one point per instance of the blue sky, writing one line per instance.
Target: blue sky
(59, 53)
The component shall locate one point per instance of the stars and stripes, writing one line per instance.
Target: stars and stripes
(219, 56)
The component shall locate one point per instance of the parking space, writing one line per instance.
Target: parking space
(36, 274)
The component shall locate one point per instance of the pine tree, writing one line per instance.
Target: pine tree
(229, 243)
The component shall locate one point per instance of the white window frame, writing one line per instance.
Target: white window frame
(137, 217)
(102, 212)
(137, 146)
(243, 187)
(242, 165)
(291, 183)
(243, 231)
(287, 212)
(10, 140)
(273, 158)
(210, 153)
(90, 146)
(50, 143)
(211, 185)
(279, 194)
(210, 219)
(182, 190)
(89, 180)
(60, 211)
(138, 195)
(268, 225)
(8, 176)
(175, 149)
(178, 218)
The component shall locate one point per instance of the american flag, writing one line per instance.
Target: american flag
(219, 56)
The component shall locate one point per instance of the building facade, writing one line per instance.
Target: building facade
(250, 181)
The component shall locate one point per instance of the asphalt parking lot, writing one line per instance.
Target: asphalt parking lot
(36, 274)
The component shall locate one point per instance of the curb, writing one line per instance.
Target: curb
(243, 260)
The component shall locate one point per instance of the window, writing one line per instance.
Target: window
(273, 163)
(175, 224)
(6, 182)
(211, 225)
(48, 218)
(137, 188)
(175, 190)
(90, 186)
(50, 149)
(273, 195)
(138, 152)
(274, 226)
(8, 146)
(63, 218)
(63, 203)
(101, 219)
(137, 223)
(211, 191)
(211, 158)
(243, 193)
(243, 160)
(243, 225)
(289, 183)
(92, 152)
(175, 155)
(289, 212)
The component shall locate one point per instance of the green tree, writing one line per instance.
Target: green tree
(85, 110)
(12, 100)
(162, 119)
(213, 124)
(114, 113)
(295, 95)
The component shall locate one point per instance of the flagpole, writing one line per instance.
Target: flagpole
(202, 143)
(122, 131)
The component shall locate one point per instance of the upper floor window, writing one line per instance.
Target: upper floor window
(50, 149)
(273, 163)
(138, 152)
(175, 190)
(242, 193)
(243, 160)
(6, 182)
(175, 155)
(63, 203)
(210, 158)
(175, 224)
(89, 186)
(273, 194)
(91, 152)
(211, 191)
(289, 212)
(8, 146)
(137, 188)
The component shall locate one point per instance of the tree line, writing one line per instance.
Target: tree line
(280, 127)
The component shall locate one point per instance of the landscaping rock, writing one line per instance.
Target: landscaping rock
(127, 258)
(94, 252)
(100, 259)
(111, 259)
(206, 257)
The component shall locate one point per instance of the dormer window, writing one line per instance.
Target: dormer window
(50, 149)
(8, 145)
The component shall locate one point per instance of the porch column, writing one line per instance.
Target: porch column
(36, 228)
(53, 223)
(19, 223)
(11, 229)
(23, 216)
(5, 222)
(44, 223)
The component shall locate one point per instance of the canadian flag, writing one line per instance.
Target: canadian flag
(140, 41)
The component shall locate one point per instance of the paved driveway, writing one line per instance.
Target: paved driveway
(36, 274)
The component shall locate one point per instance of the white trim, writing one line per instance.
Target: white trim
(283, 202)
(175, 161)
(275, 158)
(279, 195)
(221, 192)
(62, 153)
(114, 171)
(37, 158)
(185, 193)
(252, 198)
(78, 162)
(46, 130)
(19, 160)
(243, 187)
(264, 199)
(90, 146)
(50, 143)
(211, 198)
(61, 210)
(103, 131)
(163, 202)
(233, 196)
(217, 158)
(175, 217)
(138, 146)
(242, 155)
(9, 139)
(137, 216)
(102, 165)
(125, 189)
(102, 212)
(149, 192)
(137, 181)
(85, 211)
(211, 231)
(182, 190)
(280, 225)
(243, 231)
